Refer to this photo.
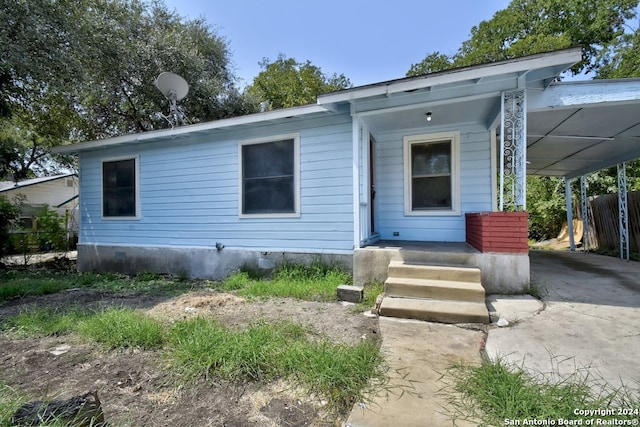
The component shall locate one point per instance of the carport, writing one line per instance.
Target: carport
(577, 128)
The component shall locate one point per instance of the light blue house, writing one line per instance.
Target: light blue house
(367, 175)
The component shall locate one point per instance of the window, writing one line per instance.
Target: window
(269, 176)
(119, 188)
(431, 181)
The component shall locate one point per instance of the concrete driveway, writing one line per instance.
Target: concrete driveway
(590, 319)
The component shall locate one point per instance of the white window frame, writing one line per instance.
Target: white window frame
(296, 175)
(408, 141)
(136, 160)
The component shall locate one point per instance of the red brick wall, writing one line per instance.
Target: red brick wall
(505, 232)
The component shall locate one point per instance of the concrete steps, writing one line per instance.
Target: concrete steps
(447, 294)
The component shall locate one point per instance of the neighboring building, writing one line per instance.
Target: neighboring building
(59, 193)
(356, 176)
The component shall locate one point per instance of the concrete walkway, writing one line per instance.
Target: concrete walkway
(589, 319)
(418, 354)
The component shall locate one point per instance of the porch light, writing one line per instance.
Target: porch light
(429, 116)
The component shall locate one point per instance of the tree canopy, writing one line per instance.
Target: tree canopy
(527, 27)
(74, 70)
(287, 83)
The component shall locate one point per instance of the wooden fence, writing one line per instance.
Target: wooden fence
(604, 225)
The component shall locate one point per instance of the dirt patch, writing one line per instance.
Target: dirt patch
(134, 388)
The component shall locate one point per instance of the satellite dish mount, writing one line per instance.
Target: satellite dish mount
(174, 88)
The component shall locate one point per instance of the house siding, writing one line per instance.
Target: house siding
(188, 192)
(51, 193)
(475, 186)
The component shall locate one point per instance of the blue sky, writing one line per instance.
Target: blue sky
(367, 41)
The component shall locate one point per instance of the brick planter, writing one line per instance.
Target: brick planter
(502, 232)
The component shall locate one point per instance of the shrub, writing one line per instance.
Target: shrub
(9, 215)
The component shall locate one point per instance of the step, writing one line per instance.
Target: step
(408, 287)
(435, 272)
(435, 310)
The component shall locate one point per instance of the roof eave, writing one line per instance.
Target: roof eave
(41, 181)
(563, 58)
(183, 130)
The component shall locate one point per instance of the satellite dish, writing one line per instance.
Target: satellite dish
(174, 88)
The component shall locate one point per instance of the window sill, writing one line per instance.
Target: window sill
(121, 218)
(443, 212)
(269, 216)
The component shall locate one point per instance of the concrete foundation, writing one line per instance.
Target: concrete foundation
(207, 263)
(501, 273)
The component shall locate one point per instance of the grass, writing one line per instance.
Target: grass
(10, 401)
(371, 292)
(339, 373)
(495, 392)
(122, 328)
(44, 322)
(22, 283)
(203, 348)
(315, 282)
(113, 327)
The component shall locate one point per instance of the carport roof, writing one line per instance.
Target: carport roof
(575, 128)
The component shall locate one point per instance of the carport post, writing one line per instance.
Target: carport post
(513, 150)
(567, 195)
(623, 211)
(585, 213)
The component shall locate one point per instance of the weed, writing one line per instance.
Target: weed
(148, 277)
(254, 272)
(236, 281)
(23, 283)
(10, 401)
(537, 290)
(123, 327)
(495, 392)
(317, 281)
(44, 322)
(182, 276)
(371, 292)
(338, 373)
(203, 348)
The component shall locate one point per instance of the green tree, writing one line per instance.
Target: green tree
(75, 70)
(623, 59)
(287, 83)
(546, 206)
(526, 27)
(431, 64)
